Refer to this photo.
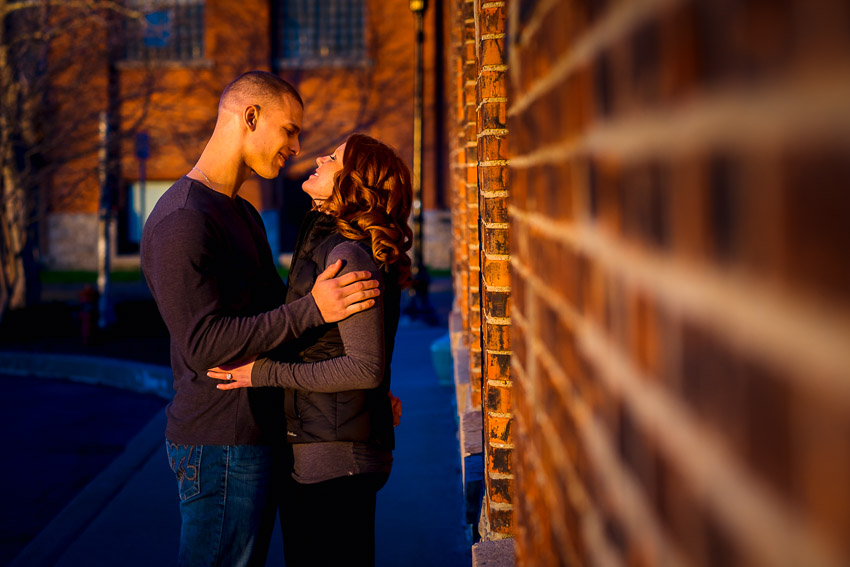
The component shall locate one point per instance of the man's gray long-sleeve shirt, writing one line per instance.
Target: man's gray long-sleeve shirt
(208, 264)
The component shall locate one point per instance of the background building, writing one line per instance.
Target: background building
(158, 72)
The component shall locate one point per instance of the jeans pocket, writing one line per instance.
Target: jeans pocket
(185, 461)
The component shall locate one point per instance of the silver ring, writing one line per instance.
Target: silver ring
(229, 376)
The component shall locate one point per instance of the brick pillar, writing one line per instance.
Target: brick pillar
(473, 245)
(679, 208)
(464, 322)
(458, 120)
(495, 281)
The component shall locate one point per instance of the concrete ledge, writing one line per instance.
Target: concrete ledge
(471, 432)
(495, 553)
(441, 358)
(127, 374)
(470, 426)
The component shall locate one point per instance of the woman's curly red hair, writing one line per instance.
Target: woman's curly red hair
(371, 199)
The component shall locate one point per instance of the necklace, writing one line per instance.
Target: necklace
(205, 177)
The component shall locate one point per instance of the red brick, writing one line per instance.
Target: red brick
(497, 303)
(498, 337)
(475, 394)
(492, 51)
(474, 316)
(492, 116)
(492, 20)
(492, 148)
(496, 240)
(496, 273)
(471, 177)
(492, 84)
(816, 209)
(501, 520)
(494, 179)
(499, 398)
(499, 460)
(498, 429)
(468, 56)
(500, 490)
(645, 338)
(493, 209)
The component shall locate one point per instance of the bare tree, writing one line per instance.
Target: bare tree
(58, 74)
(55, 63)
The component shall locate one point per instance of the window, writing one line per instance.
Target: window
(139, 202)
(318, 33)
(169, 30)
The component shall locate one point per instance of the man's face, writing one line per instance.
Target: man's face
(275, 137)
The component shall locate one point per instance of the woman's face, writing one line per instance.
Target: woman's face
(320, 185)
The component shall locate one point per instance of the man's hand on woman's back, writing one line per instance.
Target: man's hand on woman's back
(337, 298)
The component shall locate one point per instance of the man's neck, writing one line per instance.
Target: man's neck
(216, 178)
(220, 169)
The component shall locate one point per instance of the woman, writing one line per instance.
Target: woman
(338, 412)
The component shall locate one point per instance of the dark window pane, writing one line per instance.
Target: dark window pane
(171, 30)
(320, 32)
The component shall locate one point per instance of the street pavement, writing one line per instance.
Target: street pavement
(128, 515)
(59, 445)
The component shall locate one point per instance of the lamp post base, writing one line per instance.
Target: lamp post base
(418, 304)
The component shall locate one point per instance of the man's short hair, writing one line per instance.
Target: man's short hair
(255, 87)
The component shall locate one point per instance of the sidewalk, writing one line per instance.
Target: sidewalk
(129, 514)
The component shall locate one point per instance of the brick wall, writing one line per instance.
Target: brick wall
(461, 134)
(494, 283)
(678, 210)
(675, 386)
(465, 181)
(481, 264)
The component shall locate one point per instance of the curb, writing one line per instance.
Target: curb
(494, 553)
(127, 374)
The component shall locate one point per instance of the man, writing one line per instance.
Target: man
(207, 261)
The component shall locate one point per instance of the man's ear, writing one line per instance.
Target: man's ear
(250, 115)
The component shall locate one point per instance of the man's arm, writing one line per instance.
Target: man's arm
(179, 267)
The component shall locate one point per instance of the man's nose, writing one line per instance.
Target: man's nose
(295, 148)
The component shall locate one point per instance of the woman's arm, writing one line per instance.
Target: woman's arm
(362, 366)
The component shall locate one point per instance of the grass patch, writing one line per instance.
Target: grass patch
(438, 273)
(85, 276)
(284, 273)
(119, 276)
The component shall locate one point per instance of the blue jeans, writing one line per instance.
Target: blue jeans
(224, 492)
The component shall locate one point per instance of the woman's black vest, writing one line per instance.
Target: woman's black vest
(355, 415)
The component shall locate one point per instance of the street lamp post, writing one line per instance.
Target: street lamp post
(419, 306)
(143, 152)
(104, 241)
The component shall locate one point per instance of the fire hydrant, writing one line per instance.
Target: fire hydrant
(88, 309)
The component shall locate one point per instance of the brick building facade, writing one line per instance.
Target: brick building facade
(662, 375)
(351, 60)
